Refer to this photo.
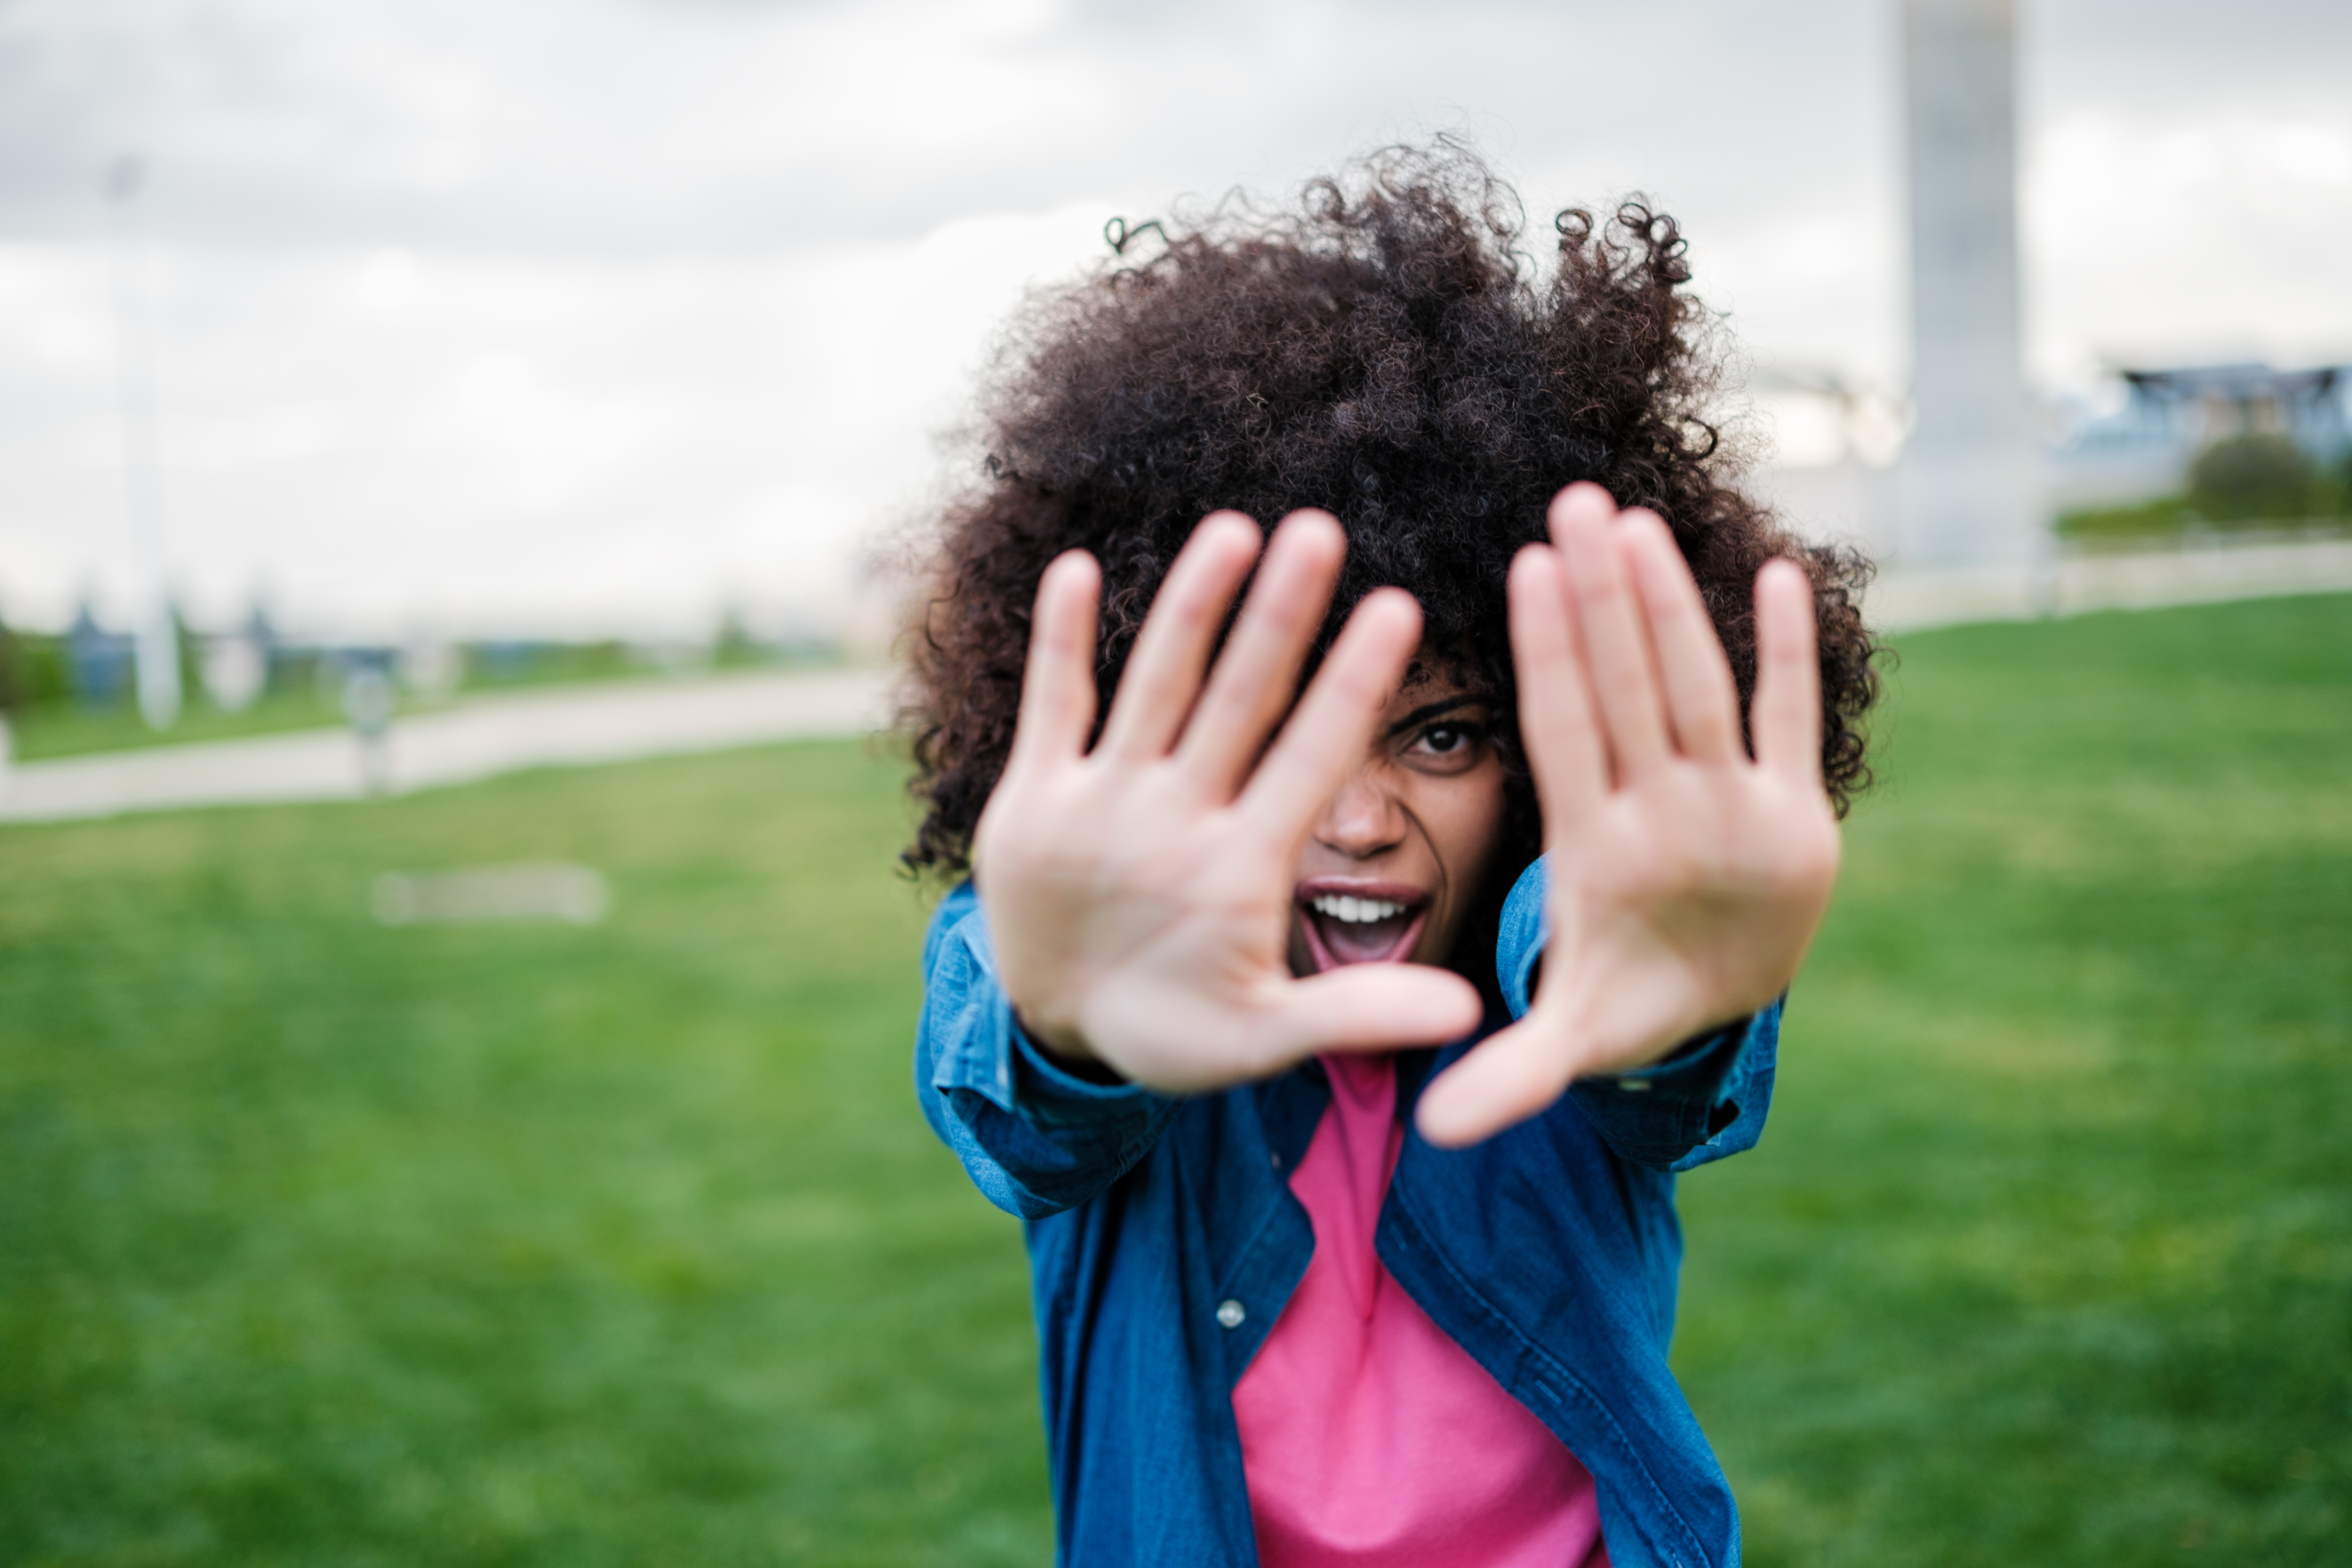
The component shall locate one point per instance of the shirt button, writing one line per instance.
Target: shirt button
(1230, 1313)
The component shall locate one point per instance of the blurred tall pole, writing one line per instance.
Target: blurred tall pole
(157, 637)
(1970, 483)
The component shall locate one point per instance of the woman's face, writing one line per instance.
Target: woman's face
(1402, 852)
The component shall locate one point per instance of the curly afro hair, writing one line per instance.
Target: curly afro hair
(1384, 351)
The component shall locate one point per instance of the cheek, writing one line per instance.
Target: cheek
(1464, 818)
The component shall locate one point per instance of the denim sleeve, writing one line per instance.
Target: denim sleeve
(1703, 1100)
(1035, 1140)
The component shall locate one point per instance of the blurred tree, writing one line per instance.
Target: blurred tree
(48, 674)
(191, 656)
(2256, 475)
(15, 680)
(263, 634)
(735, 644)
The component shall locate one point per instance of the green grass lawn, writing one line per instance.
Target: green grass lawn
(69, 730)
(322, 1243)
(2047, 1254)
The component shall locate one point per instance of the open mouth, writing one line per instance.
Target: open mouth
(1355, 923)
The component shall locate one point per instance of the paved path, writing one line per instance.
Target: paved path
(1906, 601)
(619, 722)
(479, 738)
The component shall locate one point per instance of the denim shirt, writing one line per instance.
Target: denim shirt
(1164, 1240)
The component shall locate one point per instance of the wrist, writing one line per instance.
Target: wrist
(1620, 1031)
(1067, 1048)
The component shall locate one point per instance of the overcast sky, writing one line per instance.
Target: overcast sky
(584, 314)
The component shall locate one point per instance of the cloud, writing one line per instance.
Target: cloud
(616, 123)
(561, 312)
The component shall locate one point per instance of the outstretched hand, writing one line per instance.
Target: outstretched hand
(1139, 894)
(1686, 879)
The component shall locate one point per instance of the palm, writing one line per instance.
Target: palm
(1687, 878)
(1689, 905)
(1138, 892)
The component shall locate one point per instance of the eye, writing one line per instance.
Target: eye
(1446, 746)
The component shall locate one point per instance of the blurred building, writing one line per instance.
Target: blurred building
(432, 667)
(99, 660)
(1835, 446)
(2143, 446)
(235, 671)
(1835, 474)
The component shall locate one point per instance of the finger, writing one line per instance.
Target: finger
(1257, 674)
(1557, 722)
(1616, 642)
(1702, 699)
(1788, 720)
(1328, 731)
(1163, 673)
(1057, 685)
(1508, 1076)
(1366, 1007)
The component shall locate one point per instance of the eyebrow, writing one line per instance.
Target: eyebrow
(1428, 711)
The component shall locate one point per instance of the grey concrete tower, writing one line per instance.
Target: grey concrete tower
(1971, 480)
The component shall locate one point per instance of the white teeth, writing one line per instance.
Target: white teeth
(1354, 910)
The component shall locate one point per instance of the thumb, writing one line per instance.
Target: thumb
(1367, 1007)
(1511, 1075)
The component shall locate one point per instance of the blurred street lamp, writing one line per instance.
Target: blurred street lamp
(156, 636)
(368, 703)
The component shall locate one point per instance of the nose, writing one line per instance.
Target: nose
(1363, 819)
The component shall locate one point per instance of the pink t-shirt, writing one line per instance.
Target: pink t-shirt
(1369, 1436)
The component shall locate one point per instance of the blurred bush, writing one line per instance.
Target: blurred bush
(32, 670)
(2259, 475)
(2240, 482)
(13, 684)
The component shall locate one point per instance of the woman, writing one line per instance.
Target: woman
(1344, 1124)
